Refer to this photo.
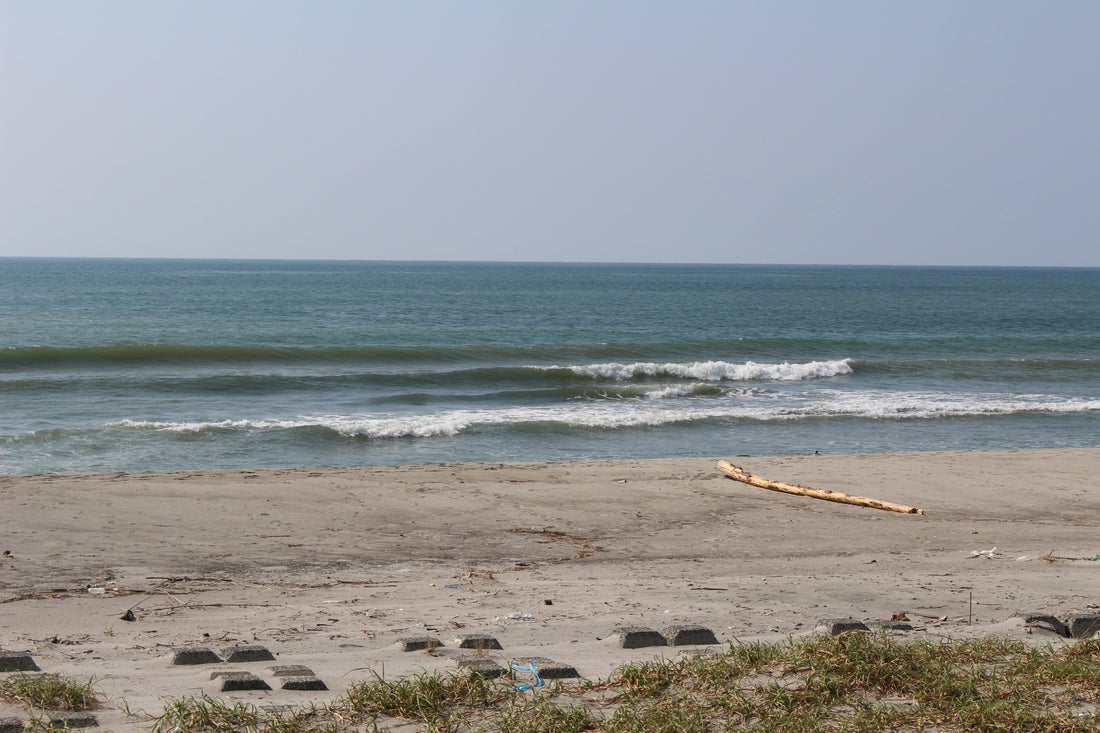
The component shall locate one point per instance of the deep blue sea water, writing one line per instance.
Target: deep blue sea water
(167, 364)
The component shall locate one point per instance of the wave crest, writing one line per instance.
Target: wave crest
(715, 371)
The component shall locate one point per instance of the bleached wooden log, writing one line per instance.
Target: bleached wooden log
(744, 476)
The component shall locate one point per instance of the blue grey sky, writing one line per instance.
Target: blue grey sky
(878, 132)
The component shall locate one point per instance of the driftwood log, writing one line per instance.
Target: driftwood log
(744, 476)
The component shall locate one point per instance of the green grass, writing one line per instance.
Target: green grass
(49, 692)
(853, 683)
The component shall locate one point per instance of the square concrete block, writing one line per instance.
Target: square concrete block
(1082, 625)
(247, 653)
(304, 682)
(11, 725)
(482, 667)
(67, 721)
(837, 626)
(418, 643)
(242, 681)
(195, 655)
(636, 637)
(689, 635)
(17, 662)
(290, 670)
(477, 641)
(1043, 620)
(550, 670)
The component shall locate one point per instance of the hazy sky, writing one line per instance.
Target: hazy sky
(825, 131)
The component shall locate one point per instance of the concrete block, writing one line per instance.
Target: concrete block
(636, 637)
(195, 655)
(1043, 621)
(890, 625)
(1083, 625)
(482, 667)
(477, 641)
(550, 670)
(290, 670)
(837, 626)
(17, 662)
(247, 653)
(418, 643)
(304, 682)
(689, 635)
(11, 725)
(242, 681)
(66, 721)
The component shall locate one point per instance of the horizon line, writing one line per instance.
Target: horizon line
(528, 262)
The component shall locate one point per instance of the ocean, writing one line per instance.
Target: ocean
(128, 365)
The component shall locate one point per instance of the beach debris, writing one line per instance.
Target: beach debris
(739, 474)
(689, 635)
(17, 662)
(636, 637)
(129, 615)
(195, 655)
(530, 666)
(515, 617)
(247, 653)
(987, 554)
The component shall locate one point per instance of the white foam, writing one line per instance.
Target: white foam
(664, 410)
(715, 371)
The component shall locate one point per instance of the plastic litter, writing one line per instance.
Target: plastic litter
(530, 667)
(97, 591)
(987, 554)
(453, 585)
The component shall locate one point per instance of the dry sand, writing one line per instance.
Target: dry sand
(330, 567)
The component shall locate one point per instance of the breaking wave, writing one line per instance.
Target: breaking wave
(716, 371)
(612, 415)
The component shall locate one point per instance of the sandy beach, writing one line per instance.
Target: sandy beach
(330, 567)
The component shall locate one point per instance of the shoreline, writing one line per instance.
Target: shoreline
(329, 567)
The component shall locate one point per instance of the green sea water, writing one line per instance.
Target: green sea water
(126, 365)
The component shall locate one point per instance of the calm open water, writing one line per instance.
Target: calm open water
(169, 364)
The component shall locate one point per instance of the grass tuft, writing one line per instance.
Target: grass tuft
(49, 692)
